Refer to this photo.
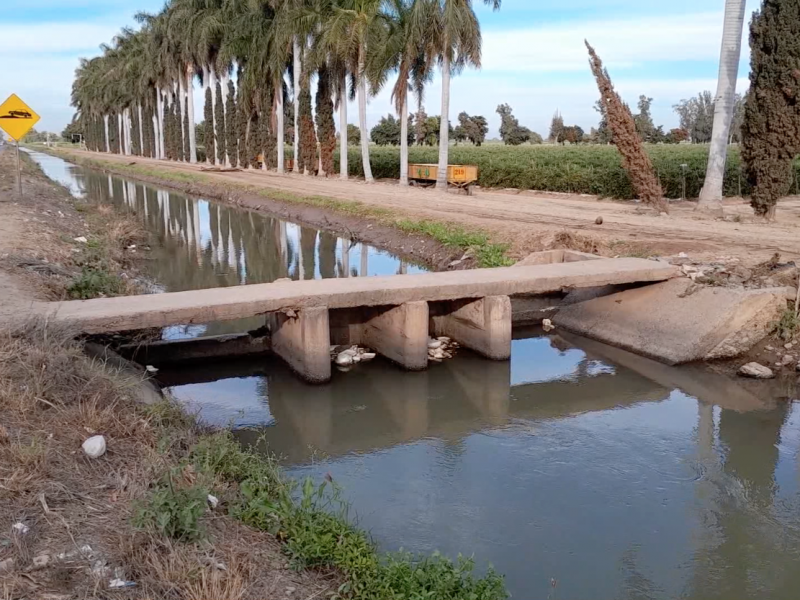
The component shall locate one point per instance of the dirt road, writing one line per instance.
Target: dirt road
(528, 221)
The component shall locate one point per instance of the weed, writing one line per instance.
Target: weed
(454, 236)
(94, 282)
(787, 326)
(173, 509)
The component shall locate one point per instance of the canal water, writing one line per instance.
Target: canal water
(577, 470)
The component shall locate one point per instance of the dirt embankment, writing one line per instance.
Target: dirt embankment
(526, 221)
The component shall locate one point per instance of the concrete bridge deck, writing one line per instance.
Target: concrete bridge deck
(393, 315)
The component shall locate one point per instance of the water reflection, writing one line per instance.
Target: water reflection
(203, 244)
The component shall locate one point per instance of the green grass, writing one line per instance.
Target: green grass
(787, 326)
(313, 524)
(93, 282)
(473, 240)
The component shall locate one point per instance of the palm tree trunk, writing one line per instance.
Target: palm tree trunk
(404, 141)
(141, 130)
(108, 144)
(280, 143)
(343, 129)
(444, 129)
(182, 103)
(724, 103)
(297, 68)
(160, 117)
(213, 84)
(120, 134)
(362, 116)
(224, 87)
(190, 112)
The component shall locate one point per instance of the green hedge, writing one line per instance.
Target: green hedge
(572, 169)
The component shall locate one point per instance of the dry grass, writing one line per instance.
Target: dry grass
(52, 397)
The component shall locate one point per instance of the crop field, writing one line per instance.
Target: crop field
(573, 169)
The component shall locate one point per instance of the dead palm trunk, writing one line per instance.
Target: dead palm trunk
(724, 104)
(108, 144)
(444, 127)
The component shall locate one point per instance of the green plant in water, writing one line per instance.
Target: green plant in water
(172, 510)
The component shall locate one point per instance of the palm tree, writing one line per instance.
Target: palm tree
(408, 49)
(354, 29)
(459, 43)
(724, 103)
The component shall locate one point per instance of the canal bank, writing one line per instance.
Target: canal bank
(569, 467)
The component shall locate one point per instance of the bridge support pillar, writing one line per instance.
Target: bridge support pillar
(400, 334)
(303, 340)
(481, 325)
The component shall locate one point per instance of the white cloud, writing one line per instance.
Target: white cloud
(621, 43)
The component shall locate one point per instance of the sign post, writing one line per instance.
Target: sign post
(17, 119)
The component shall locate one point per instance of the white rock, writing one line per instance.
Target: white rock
(547, 325)
(95, 446)
(151, 369)
(213, 501)
(787, 360)
(683, 255)
(433, 344)
(756, 371)
(41, 561)
(344, 359)
(81, 240)
(20, 528)
(368, 356)
(788, 346)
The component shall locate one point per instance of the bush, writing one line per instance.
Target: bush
(173, 510)
(577, 169)
(94, 282)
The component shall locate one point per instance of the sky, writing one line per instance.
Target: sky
(533, 56)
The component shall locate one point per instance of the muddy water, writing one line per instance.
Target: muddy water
(578, 471)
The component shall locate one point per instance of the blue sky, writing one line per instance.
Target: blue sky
(533, 56)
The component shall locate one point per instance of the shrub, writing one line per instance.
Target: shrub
(173, 510)
(94, 282)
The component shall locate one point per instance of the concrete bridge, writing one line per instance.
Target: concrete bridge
(393, 315)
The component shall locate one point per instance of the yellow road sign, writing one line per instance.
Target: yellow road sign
(16, 117)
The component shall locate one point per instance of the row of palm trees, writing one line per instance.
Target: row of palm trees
(137, 97)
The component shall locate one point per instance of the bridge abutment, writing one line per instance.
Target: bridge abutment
(302, 338)
(483, 326)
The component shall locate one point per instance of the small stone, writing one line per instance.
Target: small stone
(151, 369)
(787, 360)
(788, 346)
(95, 446)
(41, 561)
(213, 501)
(81, 240)
(433, 344)
(598, 221)
(20, 528)
(756, 371)
(683, 255)
(769, 348)
(663, 214)
(547, 325)
(7, 565)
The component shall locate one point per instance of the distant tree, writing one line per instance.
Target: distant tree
(572, 134)
(771, 132)
(738, 119)
(634, 158)
(556, 128)
(644, 120)
(420, 132)
(676, 136)
(208, 130)
(473, 129)
(353, 135)
(511, 132)
(231, 130)
(696, 116)
(535, 138)
(387, 132)
(602, 134)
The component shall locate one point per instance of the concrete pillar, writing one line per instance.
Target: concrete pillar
(303, 341)
(400, 334)
(481, 325)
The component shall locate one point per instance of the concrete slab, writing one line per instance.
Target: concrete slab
(400, 334)
(302, 339)
(481, 325)
(675, 322)
(205, 306)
